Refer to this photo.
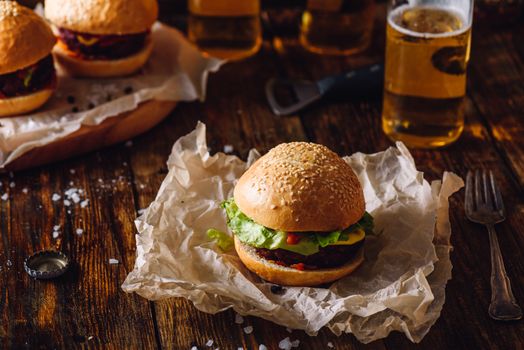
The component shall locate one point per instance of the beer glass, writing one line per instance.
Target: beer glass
(427, 52)
(337, 27)
(228, 29)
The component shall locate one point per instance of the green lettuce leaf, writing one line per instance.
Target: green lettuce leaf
(366, 223)
(223, 240)
(249, 231)
(256, 235)
(28, 78)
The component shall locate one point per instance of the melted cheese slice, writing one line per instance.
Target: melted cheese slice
(353, 237)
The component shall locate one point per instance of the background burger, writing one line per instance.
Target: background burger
(298, 216)
(27, 73)
(102, 38)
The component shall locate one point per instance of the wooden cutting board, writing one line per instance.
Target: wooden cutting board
(93, 137)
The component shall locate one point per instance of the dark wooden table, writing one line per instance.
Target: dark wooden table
(87, 309)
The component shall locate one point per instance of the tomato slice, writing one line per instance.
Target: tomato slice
(299, 266)
(292, 238)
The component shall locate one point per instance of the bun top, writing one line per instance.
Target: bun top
(103, 17)
(299, 187)
(25, 38)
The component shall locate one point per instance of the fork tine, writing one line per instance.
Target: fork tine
(499, 204)
(488, 189)
(478, 190)
(469, 193)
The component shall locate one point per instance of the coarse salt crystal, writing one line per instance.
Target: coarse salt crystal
(239, 319)
(330, 345)
(9, 263)
(12, 184)
(75, 197)
(70, 192)
(25, 190)
(4, 196)
(79, 231)
(194, 348)
(248, 330)
(56, 227)
(287, 344)
(209, 343)
(262, 347)
(289, 330)
(113, 261)
(55, 197)
(72, 171)
(228, 148)
(84, 203)
(67, 202)
(56, 234)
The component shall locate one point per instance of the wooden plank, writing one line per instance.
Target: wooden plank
(497, 72)
(86, 307)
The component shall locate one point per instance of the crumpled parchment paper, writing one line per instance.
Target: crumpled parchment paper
(400, 286)
(176, 71)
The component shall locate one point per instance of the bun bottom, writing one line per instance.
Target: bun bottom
(19, 105)
(288, 276)
(79, 67)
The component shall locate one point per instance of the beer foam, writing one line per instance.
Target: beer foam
(461, 13)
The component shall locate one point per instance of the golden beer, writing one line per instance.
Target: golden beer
(427, 51)
(337, 27)
(228, 29)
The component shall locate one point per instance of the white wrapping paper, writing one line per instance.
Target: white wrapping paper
(176, 71)
(400, 286)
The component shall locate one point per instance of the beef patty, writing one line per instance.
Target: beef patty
(28, 80)
(102, 47)
(327, 257)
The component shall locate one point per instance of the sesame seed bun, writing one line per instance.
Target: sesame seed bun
(103, 16)
(301, 187)
(25, 38)
(24, 104)
(79, 67)
(288, 276)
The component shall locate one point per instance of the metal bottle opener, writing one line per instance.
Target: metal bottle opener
(357, 83)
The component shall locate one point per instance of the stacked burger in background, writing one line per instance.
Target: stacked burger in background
(102, 38)
(27, 72)
(96, 38)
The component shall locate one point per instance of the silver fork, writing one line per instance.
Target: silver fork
(484, 206)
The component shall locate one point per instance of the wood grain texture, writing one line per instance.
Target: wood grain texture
(87, 309)
(85, 305)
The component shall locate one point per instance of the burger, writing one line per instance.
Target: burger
(102, 38)
(27, 73)
(298, 216)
